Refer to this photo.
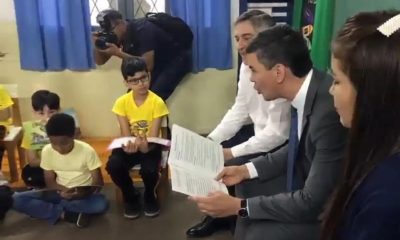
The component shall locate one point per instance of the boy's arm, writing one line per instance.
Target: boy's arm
(155, 127)
(32, 157)
(124, 126)
(50, 179)
(97, 178)
(154, 131)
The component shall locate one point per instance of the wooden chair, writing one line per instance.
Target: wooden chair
(163, 187)
(13, 139)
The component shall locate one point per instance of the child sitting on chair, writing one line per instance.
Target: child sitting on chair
(139, 113)
(70, 166)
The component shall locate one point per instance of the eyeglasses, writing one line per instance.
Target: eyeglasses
(135, 81)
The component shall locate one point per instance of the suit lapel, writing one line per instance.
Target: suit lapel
(316, 79)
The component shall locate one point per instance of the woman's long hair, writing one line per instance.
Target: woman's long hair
(372, 62)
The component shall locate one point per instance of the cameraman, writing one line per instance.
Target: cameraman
(167, 61)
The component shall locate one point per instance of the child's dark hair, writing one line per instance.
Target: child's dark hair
(42, 98)
(60, 124)
(132, 65)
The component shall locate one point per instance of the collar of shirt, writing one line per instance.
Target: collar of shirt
(300, 99)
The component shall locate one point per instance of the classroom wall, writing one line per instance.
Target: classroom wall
(198, 103)
(347, 8)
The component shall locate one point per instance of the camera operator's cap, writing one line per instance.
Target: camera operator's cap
(105, 17)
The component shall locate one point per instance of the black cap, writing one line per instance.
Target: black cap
(106, 17)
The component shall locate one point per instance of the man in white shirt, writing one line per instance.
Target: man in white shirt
(271, 119)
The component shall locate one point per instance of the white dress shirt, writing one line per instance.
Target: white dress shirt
(271, 119)
(298, 102)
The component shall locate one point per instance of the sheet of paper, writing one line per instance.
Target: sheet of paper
(12, 133)
(186, 182)
(118, 142)
(192, 151)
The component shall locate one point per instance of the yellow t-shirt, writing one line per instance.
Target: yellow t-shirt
(5, 103)
(140, 118)
(35, 136)
(72, 169)
(5, 98)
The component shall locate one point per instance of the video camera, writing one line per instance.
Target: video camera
(106, 35)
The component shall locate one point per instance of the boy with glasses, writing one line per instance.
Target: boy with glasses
(139, 113)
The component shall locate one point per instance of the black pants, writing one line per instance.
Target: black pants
(6, 200)
(120, 163)
(165, 80)
(33, 176)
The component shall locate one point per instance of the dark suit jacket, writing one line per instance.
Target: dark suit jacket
(321, 150)
(374, 208)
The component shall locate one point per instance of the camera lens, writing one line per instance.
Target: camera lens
(101, 43)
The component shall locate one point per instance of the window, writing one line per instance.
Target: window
(129, 8)
(97, 6)
(144, 6)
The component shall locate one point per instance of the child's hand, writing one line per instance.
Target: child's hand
(142, 144)
(69, 193)
(130, 147)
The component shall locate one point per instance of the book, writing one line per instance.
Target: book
(118, 142)
(86, 190)
(194, 161)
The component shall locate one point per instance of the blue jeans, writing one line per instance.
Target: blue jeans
(49, 205)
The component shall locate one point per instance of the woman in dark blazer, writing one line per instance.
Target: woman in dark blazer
(366, 91)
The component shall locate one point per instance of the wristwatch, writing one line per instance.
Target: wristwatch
(243, 209)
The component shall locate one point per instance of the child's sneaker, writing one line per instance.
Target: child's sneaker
(132, 210)
(81, 220)
(151, 207)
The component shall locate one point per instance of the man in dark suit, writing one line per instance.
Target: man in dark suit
(311, 161)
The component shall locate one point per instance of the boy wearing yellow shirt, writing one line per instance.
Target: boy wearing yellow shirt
(70, 168)
(139, 113)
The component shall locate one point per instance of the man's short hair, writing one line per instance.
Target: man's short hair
(131, 65)
(262, 22)
(107, 18)
(282, 45)
(60, 124)
(42, 98)
(249, 14)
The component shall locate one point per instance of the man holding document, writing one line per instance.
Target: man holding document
(281, 67)
(270, 118)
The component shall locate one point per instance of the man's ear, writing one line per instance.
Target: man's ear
(280, 73)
